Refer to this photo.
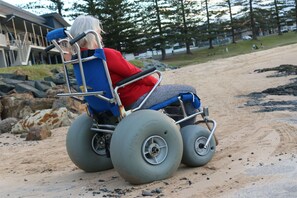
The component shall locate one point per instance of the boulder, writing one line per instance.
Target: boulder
(52, 92)
(38, 133)
(5, 88)
(49, 118)
(19, 105)
(12, 81)
(58, 79)
(15, 76)
(7, 124)
(70, 104)
(14, 103)
(24, 88)
(40, 85)
(1, 107)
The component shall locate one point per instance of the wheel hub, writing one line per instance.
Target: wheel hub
(99, 143)
(154, 150)
(199, 146)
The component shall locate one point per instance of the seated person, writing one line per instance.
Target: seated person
(119, 69)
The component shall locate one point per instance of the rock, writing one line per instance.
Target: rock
(41, 103)
(15, 76)
(7, 124)
(42, 86)
(12, 81)
(24, 88)
(44, 118)
(1, 107)
(57, 79)
(38, 133)
(147, 64)
(19, 105)
(24, 112)
(14, 103)
(146, 193)
(2, 93)
(49, 83)
(5, 88)
(69, 103)
(52, 92)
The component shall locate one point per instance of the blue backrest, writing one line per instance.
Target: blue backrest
(95, 76)
(96, 80)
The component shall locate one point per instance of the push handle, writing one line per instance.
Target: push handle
(72, 41)
(50, 47)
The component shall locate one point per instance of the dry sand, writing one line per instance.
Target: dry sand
(256, 156)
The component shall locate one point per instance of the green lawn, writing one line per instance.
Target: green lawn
(34, 72)
(241, 47)
(198, 56)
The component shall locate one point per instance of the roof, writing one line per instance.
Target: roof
(57, 17)
(7, 9)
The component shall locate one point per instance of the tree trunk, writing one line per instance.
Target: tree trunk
(185, 28)
(231, 21)
(208, 26)
(277, 18)
(253, 26)
(296, 14)
(162, 45)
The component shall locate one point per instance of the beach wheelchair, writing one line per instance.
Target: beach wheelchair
(143, 145)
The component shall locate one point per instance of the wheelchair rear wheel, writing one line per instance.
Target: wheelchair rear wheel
(84, 148)
(194, 140)
(146, 146)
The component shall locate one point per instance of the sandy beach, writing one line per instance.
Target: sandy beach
(256, 155)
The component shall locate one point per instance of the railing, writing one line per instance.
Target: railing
(23, 42)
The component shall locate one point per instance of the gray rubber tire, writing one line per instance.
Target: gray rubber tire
(135, 141)
(193, 137)
(79, 146)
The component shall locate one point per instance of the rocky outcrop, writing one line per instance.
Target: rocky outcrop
(7, 124)
(150, 63)
(33, 107)
(20, 105)
(47, 118)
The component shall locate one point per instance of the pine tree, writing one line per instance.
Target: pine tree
(40, 7)
(85, 7)
(119, 23)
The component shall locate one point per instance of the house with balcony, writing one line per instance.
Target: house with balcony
(23, 36)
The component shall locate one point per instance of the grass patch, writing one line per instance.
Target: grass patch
(34, 72)
(240, 47)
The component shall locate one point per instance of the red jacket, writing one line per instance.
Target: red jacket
(120, 69)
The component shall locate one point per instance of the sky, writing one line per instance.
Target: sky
(66, 2)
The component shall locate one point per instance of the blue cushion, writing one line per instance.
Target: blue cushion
(185, 97)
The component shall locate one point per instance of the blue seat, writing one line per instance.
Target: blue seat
(185, 97)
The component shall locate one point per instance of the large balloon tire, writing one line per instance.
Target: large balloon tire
(135, 139)
(194, 139)
(79, 146)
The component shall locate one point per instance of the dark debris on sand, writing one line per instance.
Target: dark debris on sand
(258, 98)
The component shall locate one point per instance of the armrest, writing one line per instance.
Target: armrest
(135, 76)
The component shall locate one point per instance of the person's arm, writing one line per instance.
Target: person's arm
(117, 64)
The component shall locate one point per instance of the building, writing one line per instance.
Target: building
(23, 36)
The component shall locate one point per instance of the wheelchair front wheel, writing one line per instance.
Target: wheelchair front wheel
(85, 147)
(194, 140)
(146, 146)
